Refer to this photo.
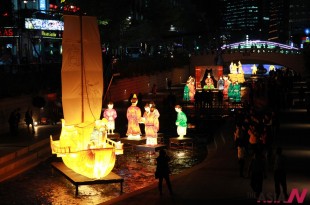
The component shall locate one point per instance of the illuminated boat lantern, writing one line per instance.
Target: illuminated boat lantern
(83, 144)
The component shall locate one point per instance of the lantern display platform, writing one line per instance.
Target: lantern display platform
(77, 179)
(181, 142)
(114, 136)
(150, 148)
(160, 138)
(133, 142)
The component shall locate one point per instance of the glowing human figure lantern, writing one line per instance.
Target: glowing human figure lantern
(98, 135)
(181, 121)
(186, 91)
(133, 117)
(151, 121)
(254, 69)
(240, 69)
(191, 86)
(209, 83)
(110, 114)
(226, 86)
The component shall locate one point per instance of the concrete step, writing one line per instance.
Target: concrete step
(24, 159)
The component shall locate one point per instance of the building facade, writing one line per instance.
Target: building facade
(283, 21)
(34, 33)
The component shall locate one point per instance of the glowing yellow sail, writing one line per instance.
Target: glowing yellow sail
(82, 70)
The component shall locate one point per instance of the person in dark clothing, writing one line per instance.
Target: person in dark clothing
(17, 120)
(29, 121)
(257, 173)
(240, 145)
(163, 170)
(14, 121)
(280, 174)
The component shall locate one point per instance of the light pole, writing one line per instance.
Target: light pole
(113, 75)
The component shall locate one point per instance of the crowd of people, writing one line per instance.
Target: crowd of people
(256, 134)
(15, 120)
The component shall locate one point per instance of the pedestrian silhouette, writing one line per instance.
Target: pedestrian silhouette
(280, 174)
(240, 145)
(257, 173)
(163, 171)
(14, 121)
(29, 120)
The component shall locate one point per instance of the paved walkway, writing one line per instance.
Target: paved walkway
(9, 143)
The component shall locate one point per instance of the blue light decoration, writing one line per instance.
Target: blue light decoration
(42, 5)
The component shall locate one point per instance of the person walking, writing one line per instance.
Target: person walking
(280, 174)
(240, 144)
(14, 120)
(257, 173)
(29, 120)
(163, 171)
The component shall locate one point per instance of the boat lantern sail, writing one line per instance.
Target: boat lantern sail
(83, 143)
(82, 70)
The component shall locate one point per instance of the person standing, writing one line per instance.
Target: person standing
(163, 171)
(12, 120)
(29, 120)
(240, 144)
(181, 121)
(280, 174)
(257, 173)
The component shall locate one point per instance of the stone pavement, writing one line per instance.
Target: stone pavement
(9, 143)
